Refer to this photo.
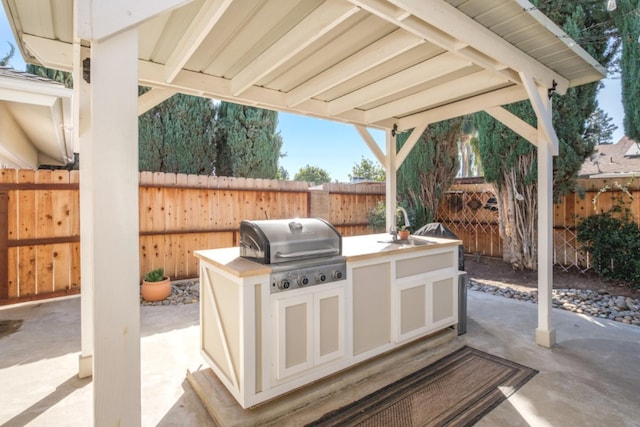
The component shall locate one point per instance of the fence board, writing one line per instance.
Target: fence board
(12, 268)
(61, 262)
(27, 271)
(44, 269)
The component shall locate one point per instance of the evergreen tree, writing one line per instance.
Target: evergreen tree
(312, 174)
(599, 128)
(177, 136)
(4, 61)
(430, 169)
(248, 144)
(510, 162)
(627, 19)
(367, 170)
(60, 76)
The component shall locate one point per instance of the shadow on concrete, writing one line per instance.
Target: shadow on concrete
(187, 411)
(51, 329)
(61, 392)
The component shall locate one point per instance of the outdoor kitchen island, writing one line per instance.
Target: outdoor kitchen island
(262, 343)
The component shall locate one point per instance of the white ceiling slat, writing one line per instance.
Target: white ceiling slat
(450, 20)
(153, 97)
(463, 107)
(434, 96)
(385, 49)
(514, 123)
(313, 27)
(206, 18)
(410, 77)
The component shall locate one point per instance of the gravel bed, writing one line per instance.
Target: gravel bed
(597, 304)
(183, 292)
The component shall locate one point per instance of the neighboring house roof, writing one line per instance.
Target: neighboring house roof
(35, 121)
(611, 160)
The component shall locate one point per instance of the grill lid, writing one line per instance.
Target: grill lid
(285, 240)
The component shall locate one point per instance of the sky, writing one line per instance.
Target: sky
(335, 147)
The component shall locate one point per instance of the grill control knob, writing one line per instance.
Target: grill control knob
(303, 281)
(320, 277)
(283, 284)
(336, 275)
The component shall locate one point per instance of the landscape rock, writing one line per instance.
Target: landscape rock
(597, 304)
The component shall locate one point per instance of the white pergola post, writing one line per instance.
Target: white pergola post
(545, 334)
(112, 206)
(391, 181)
(82, 139)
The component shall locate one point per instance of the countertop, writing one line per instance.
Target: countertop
(354, 248)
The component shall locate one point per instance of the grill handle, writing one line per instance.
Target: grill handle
(307, 253)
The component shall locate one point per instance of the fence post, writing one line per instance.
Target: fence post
(4, 246)
(319, 204)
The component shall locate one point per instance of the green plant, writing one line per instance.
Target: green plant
(156, 275)
(376, 217)
(613, 240)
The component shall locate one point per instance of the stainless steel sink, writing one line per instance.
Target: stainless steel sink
(408, 242)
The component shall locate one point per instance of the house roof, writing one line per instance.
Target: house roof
(369, 62)
(611, 160)
(35, 121)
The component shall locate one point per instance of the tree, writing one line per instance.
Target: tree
(367, 170)
(248, 144)
(430, 168)
(177, 136)
(283, 174)
(4, 61)
(599, 128)
(312, 174)
(60, 76)
(510, 162)
(628, 24)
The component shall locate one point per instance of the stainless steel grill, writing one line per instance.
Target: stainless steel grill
(301, 251)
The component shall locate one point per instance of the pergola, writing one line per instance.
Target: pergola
(394, 65)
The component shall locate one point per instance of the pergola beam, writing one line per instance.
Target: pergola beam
(514, 123)
(322, 20)
(381, 51)
(153, 97)
(469, 32)
(207, 17)
(371, 143)
(483, 80)
(395, 83)
(416, 133)
(477, 103)
(538, 97)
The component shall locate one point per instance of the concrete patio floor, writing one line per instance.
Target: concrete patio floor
(591, 378)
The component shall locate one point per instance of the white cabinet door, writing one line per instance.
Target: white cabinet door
(413, 317)
(310, 328)
(443, 297)
(294, 332)
(329, 326)
(425, 304)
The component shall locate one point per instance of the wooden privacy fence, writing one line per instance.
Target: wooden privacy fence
(40, 221)
(469, 210)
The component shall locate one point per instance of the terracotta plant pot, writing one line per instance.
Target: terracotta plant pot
(156, 291)
(403, 234)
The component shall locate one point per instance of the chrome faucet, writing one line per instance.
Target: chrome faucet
(394, 231)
